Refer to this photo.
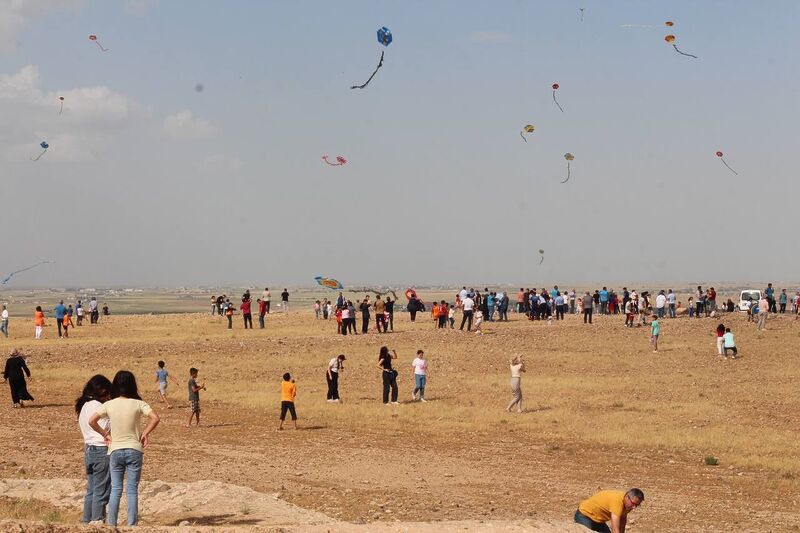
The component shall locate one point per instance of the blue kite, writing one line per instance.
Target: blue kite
(385, 38)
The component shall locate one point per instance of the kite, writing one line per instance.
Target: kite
(385, 38)
(671, 40)
(5, 280)
(199, 88)
(527, 129)
(581, 14)
(380, 64)
(569, 157)
(669, 23)
(555, 88)
(330, 283)
(62, 105)
(339, 160)
(541, 252)
(720, 154)
(44, 146)
(94, 38)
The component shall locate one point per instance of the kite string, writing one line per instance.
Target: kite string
(380, 64)
(523, 137)
(682, 53)
(729, 168)
(556, 101)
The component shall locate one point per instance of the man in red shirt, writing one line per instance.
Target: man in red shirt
(262, 310)
(248, 318)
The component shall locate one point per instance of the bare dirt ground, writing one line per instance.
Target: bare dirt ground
(602, 410)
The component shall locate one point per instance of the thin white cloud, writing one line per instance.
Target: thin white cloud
(83, 130)
(489, 37)
(16, 14)
(184, 125)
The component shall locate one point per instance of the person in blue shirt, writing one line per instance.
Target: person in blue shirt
(604, 301)
(783, 299)
(60, 312)
(490, 299)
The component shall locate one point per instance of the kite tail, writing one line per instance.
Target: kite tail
(566, 180)
(556, 101)
(380, 64)
(523, 137)
(729, 168)
(38, 157)
(61, 109)
(682, 53)
(541, 260)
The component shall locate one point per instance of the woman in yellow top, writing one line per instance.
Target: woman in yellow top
(288, 392)
(38, 320)
(126, 441)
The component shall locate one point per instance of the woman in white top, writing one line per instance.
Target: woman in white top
(98, 483)
(126, 441)
(335, 366)
(517, 367)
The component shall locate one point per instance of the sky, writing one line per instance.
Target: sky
(148, 181)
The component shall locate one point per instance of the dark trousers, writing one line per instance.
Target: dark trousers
(267, 306)
(343, 326)
(380, 322)
(248, 319)
(261, 321)
(230, 321)
(391, 321)
(699, 309)
(413, 315)
(587, 315)
(288, 406)
(389, 382)
(60, 322)
(585, 521)
(364, 324)
(351, 325)
(442, 321)
(468, 319)
(733, 348)
(333, 385)
(783, 308)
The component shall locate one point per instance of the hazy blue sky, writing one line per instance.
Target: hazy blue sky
(149, 182)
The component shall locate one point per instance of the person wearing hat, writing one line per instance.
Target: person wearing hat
(608, 505)
(335, 366)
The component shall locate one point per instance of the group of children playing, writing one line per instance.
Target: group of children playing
(725, 339)
(288, 393)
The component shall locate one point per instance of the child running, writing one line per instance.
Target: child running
(67, 322)
(730, 344)
(655, 329)
(194, 396)
(288, 393)
(161, 378)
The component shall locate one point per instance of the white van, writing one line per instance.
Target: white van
(748, 295)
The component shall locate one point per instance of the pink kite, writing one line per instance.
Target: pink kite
(339, 161)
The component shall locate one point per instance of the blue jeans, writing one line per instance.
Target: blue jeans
(672, 310)
(126, 460)
(419, 384)
(585, 521)
(490, 312)
(660, 312)
(4, 327)
(98, 483)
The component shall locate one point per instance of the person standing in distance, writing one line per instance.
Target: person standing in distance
(285, 300)
(467, 307)
(335, 366)
(60, 311)
(265, 297)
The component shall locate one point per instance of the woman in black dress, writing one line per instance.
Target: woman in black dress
(388, 373)
(15, 373)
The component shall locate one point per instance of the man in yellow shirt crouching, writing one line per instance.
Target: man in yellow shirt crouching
(613, 505)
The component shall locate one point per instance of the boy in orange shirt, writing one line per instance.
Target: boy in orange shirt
(288, 393)
(435, 314)
(67, 323)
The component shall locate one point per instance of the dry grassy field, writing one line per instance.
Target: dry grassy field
(601, 410)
